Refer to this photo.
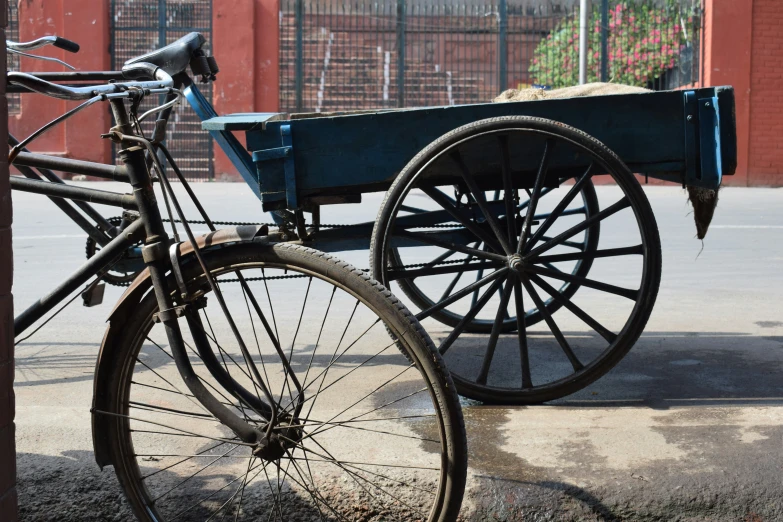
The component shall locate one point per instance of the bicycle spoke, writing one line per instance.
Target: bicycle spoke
(223, 359)
(386, 405)
(255, 333)
(186, 510)
(334, 358)
(430, 491)
(275, 499)
(238, 442)
(187, 457)
(365, 397)
(230, 499)
(191, 476)
(326, 504)
(192, 398)
(293, 341)
(366, 361)
(339, 464)
(169, 411)
(318, 339)
(382, 432)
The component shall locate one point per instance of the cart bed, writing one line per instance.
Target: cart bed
(686, 137)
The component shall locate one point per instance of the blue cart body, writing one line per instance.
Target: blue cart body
(686, 137)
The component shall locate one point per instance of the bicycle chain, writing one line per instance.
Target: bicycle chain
(274, 278)
(244, 223)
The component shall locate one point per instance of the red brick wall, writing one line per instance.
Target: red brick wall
(7, 449)
(766, 106)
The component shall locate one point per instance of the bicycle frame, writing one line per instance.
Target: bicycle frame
(40, 167)
(149, 227)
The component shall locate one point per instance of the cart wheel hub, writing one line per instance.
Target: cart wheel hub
(516, 263)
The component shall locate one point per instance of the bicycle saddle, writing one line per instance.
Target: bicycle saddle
(175, 57)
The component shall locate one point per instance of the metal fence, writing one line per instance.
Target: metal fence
(141, 26)
(362, 54)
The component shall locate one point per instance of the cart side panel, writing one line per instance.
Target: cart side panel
(352, 154)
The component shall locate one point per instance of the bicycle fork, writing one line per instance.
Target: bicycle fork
(155, 255)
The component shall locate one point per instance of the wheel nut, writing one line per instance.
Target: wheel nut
(515, 263)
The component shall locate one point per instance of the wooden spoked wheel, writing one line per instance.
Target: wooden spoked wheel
(493, 228)
(425, 297)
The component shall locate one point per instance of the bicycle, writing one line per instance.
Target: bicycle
(264, 420)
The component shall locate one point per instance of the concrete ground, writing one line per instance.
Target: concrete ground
(689, 426)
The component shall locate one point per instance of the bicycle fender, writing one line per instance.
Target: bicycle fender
(118, 317)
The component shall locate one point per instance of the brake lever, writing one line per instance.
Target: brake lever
(45, 58)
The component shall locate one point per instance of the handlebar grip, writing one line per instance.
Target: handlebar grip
(65, 44)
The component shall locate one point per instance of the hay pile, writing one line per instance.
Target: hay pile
(588, 89)
(704, 201)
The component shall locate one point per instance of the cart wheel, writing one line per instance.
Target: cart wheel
(526, 258)
(425, 297)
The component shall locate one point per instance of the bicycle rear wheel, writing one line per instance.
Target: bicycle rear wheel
(378, 438)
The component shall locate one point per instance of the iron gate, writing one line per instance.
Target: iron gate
(141, 26)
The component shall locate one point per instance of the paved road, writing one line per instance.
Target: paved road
(689, 426)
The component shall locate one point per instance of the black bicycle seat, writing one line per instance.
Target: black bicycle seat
(175, 57)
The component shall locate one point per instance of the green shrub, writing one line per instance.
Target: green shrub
(644, 40)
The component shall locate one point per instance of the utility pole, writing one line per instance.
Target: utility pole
(584, 12)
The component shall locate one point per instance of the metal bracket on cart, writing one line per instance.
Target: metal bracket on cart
(286, 154)
(703, 166)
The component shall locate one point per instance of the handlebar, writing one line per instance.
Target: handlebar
(57, 41)
(162, 80)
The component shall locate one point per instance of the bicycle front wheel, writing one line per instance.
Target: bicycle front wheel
(378, 436)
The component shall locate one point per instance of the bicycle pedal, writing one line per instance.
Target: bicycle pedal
(93, 296)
